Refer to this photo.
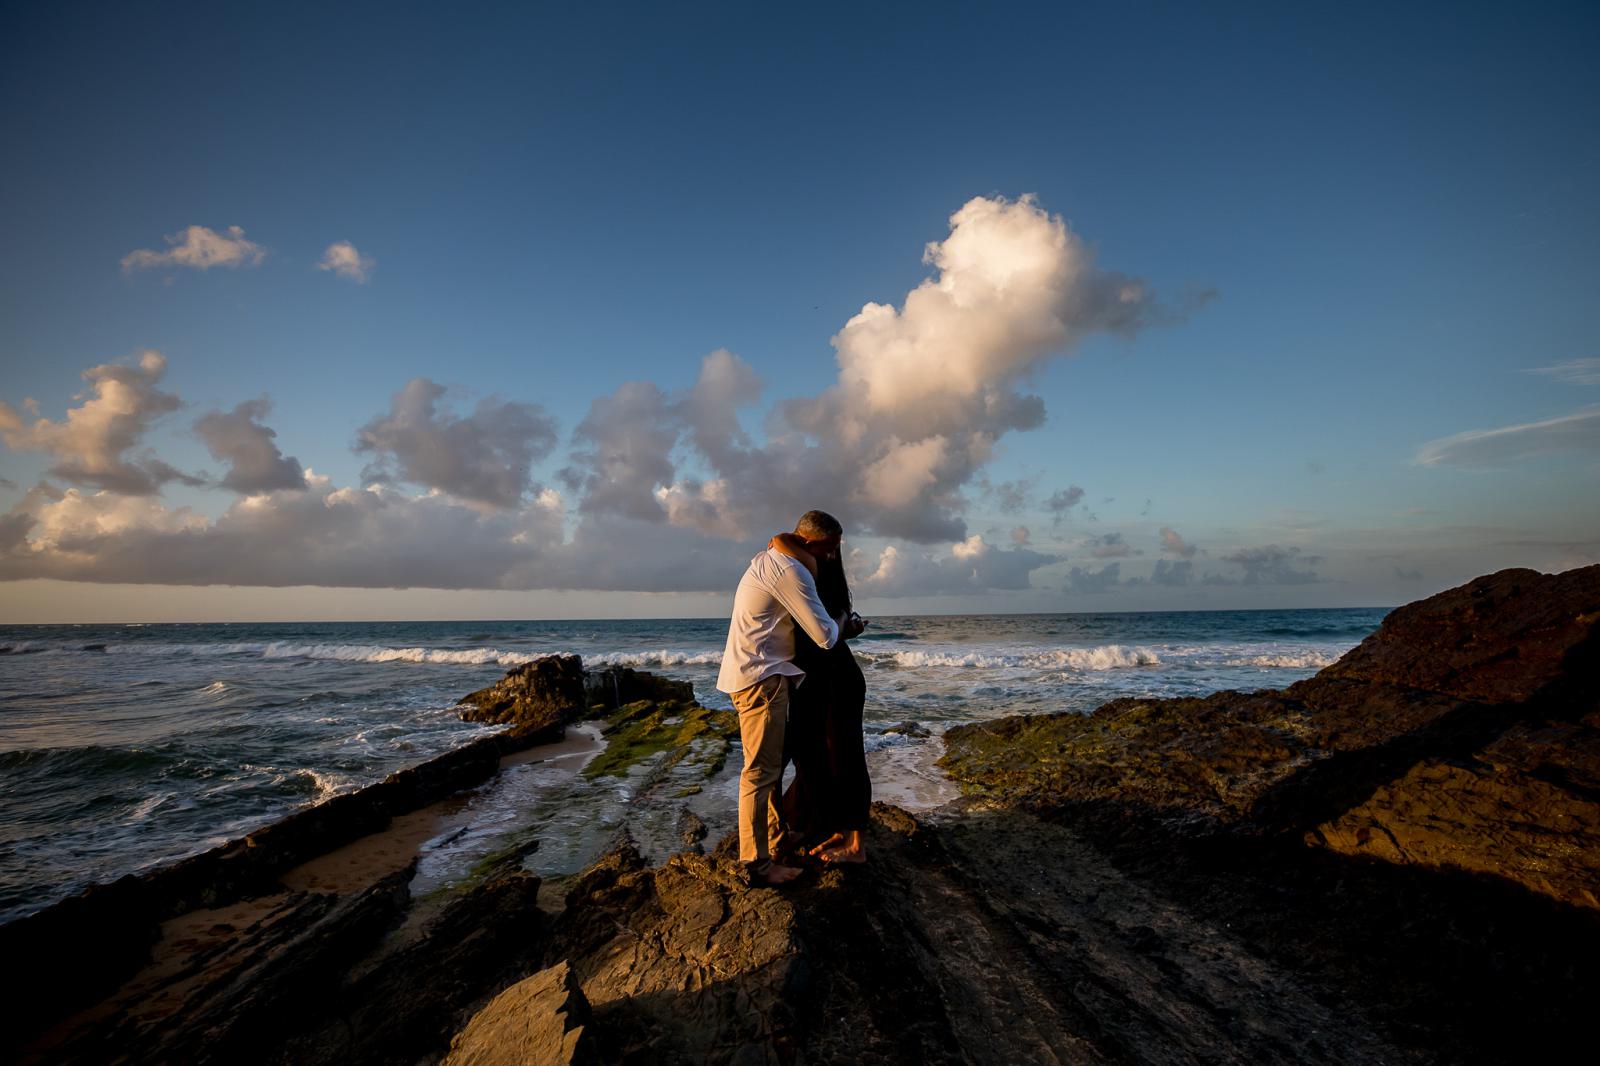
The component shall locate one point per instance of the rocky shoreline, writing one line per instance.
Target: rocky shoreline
(1394, 861)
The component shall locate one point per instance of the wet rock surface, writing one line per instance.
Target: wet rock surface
(535, 697)
(1394, 861)
(614, 686)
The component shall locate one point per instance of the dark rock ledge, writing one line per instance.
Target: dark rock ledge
(1394, 861)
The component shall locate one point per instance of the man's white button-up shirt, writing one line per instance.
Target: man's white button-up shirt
(775, 594)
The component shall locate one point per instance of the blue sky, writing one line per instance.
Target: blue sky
(1357, 233)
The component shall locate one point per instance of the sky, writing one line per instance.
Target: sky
(522, 311)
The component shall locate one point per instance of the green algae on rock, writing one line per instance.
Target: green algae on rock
(645, 728)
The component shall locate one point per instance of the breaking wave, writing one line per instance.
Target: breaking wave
(1105, 657)
(654, 658)
(346, 653)
(1305, 660)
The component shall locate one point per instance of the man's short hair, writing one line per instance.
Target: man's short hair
(818, 525)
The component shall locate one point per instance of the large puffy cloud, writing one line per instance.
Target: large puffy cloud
(624, 453)
(90, 446)
(239, 439)
(1575, 433)
(199, 248)
(485, 457)
(923, 393)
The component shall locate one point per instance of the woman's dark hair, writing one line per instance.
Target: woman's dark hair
(832, 587)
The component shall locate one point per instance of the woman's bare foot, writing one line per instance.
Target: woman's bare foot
(832, 842)
(852, 848)
(777, 874)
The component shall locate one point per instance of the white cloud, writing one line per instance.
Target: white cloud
(624, 454)
(1174, 544)
(239, 439)
(485, 457)
(1495, 447)
(666, 490)
(972, 565)
(1572, 372)
(376, 537)
(923, 393)
(90, 445)
(200, 248)
(342, 258)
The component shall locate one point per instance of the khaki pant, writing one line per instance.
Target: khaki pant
(763, 714)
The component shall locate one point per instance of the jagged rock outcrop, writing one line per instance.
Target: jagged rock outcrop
(542, 695)
(616, 686)
(539, 1021)
(1454, 737)
(536, 697)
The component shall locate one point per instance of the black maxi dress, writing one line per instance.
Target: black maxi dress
(830, 792)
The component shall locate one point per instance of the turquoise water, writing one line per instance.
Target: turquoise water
(122, 747)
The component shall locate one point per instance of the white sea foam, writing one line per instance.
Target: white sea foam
(327, 784)
(368, 653)
(1304, 660)
(349, 653)
(654, 658)
(1105, 657)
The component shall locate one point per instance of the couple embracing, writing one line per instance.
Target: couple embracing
(799, 694)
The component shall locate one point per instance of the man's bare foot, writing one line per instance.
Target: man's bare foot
(776, 874)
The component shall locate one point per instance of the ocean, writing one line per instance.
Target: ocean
(123, 747)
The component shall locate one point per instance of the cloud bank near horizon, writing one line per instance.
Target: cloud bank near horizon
(662, 490)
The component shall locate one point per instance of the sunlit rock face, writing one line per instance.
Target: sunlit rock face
(1461, 735)
(534, 697)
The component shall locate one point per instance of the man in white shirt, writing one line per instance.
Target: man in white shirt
(777, 592)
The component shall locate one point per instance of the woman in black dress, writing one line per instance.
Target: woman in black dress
(828, 800)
